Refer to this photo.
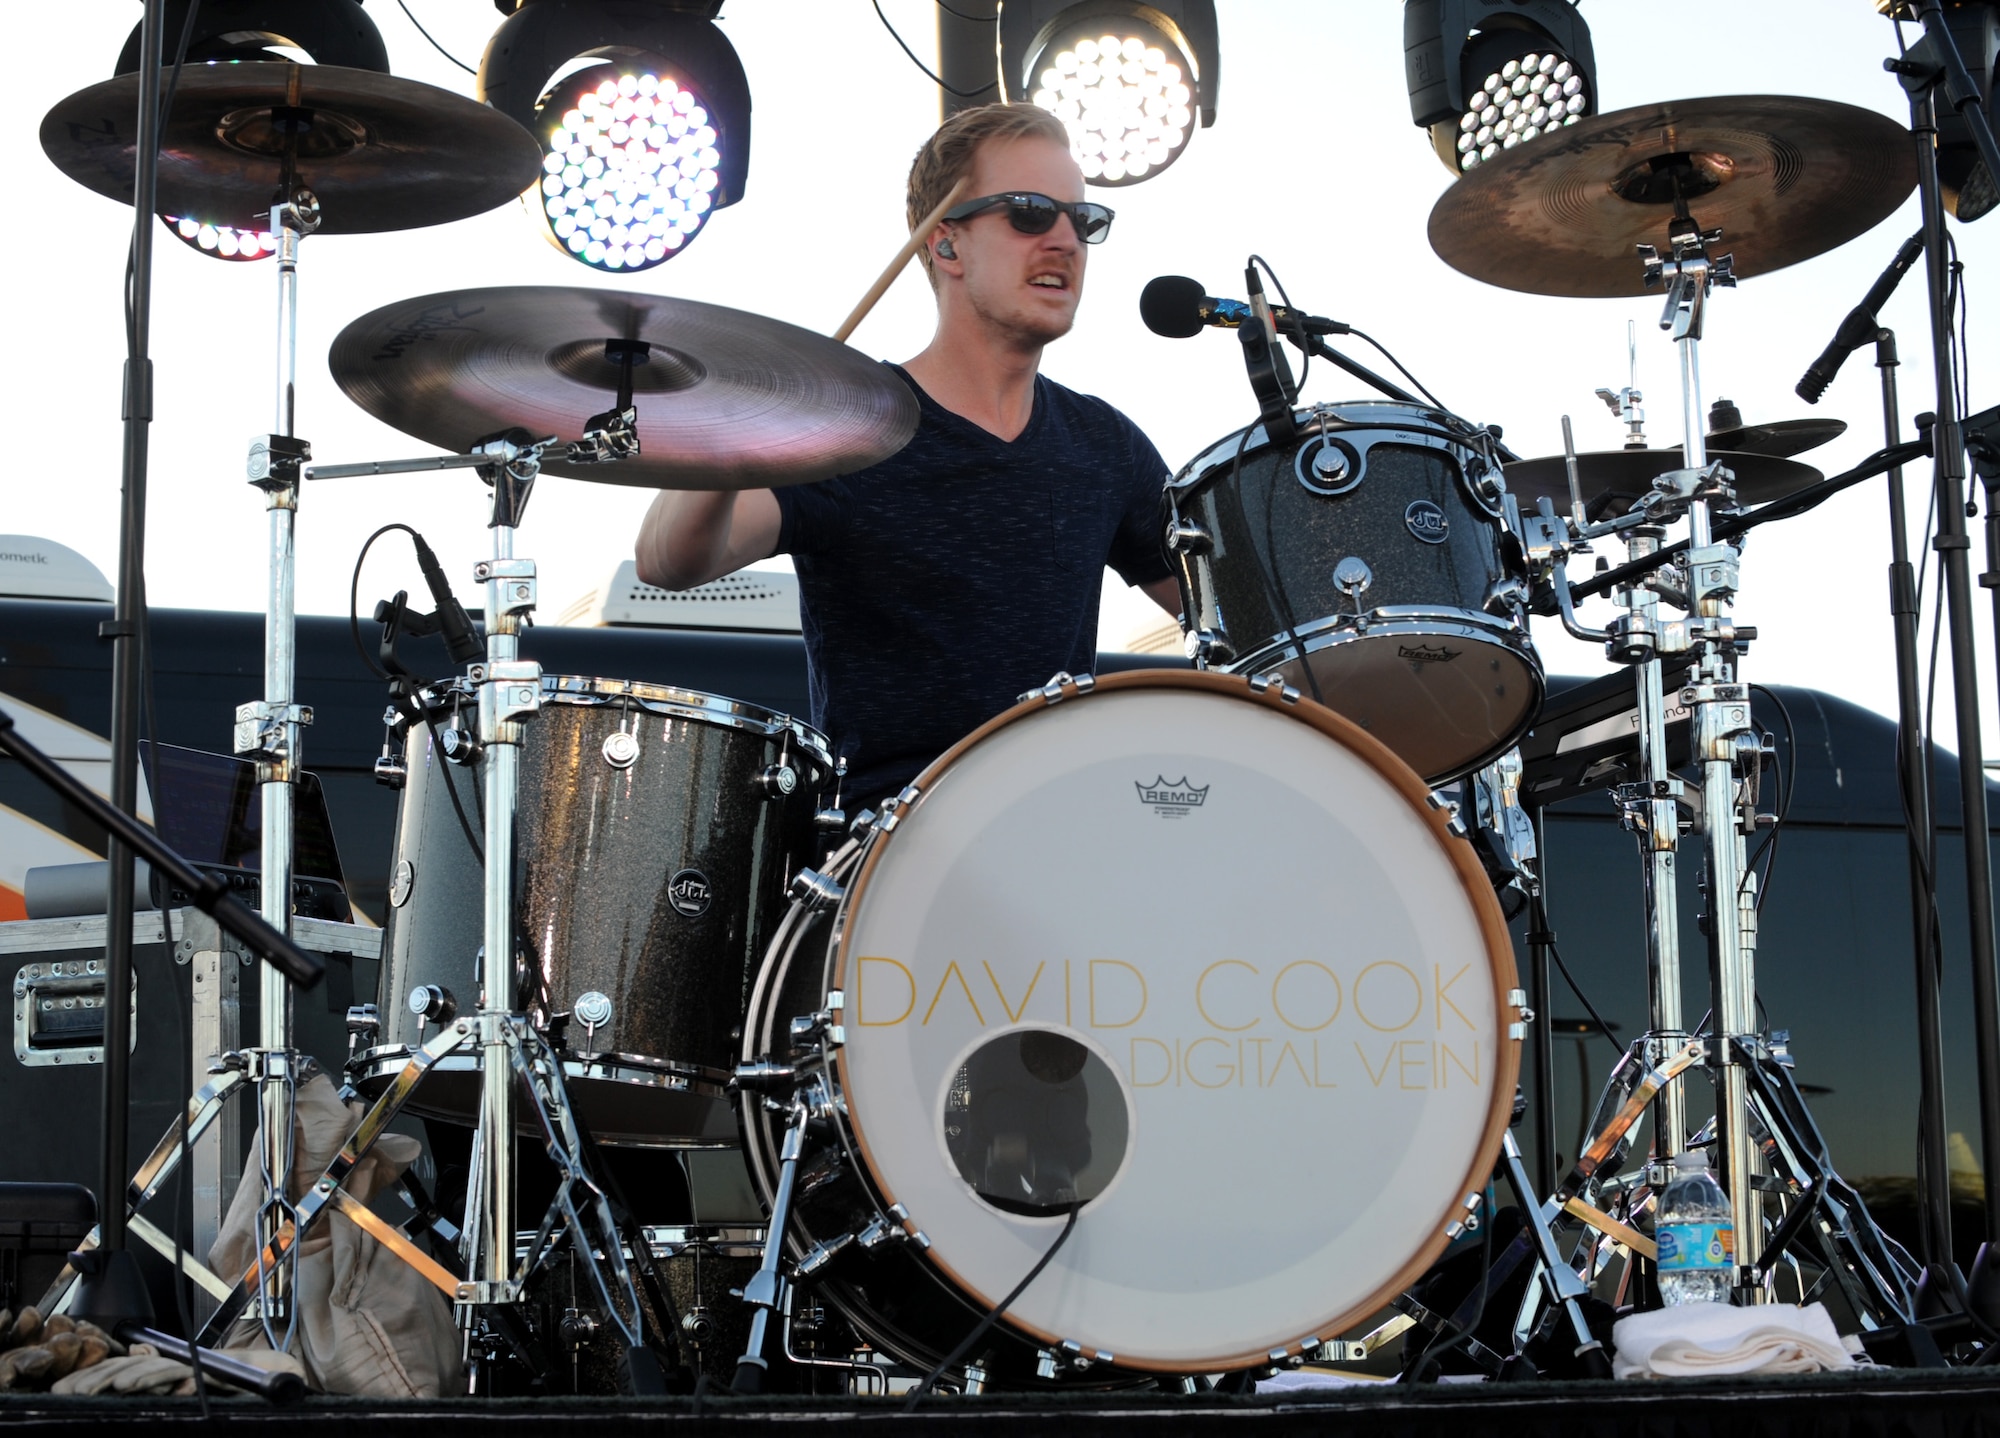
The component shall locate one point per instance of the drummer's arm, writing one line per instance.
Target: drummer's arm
(692, 536)
(1166, 593)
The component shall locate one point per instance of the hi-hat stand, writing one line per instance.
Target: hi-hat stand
(1764, 1136)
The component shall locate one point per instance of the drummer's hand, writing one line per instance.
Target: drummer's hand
(692, 536)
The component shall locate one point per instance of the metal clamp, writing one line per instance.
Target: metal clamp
(511, 583)
(264, 731)
(275, 460)
(1713, 572)
(508, 692)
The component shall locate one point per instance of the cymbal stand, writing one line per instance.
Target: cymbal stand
(269, 731)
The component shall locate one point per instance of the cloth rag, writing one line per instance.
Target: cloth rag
(1709, 1339)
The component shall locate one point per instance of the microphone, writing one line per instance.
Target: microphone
(1269, 372)
(1860, 325)
(1175, 307)
(460, 640)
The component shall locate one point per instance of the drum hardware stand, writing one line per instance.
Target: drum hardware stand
(1931, 64)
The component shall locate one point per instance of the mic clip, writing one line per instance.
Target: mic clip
(1270, 377)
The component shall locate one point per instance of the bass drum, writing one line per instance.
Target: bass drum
(1184, 953)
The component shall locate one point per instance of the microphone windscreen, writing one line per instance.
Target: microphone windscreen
(1171, 306)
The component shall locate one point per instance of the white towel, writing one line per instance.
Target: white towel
(1705, 1339)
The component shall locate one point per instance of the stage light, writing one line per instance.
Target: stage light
(1127, 79)
(643, 113)
(1487, 75)
(323, 32)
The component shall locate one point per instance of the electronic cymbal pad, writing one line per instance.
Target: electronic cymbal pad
(1629, 473)
(378, 152)
(1784, 177)
(724, 399)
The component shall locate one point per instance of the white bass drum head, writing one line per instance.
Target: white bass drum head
(1207, 961)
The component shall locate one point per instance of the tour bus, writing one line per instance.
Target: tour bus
(1833, 956)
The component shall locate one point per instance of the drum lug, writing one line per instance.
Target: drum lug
(364, 1028)
(1209, 648)
(1449, 807)
(809, 1029)
(1469, 1223)
(458, 745)
(1517, 999)
(1266, 683)
(1188, 536)
(887, 1227)
(830, 821)
(820, 1255)
(815, 890)
(1060, 687)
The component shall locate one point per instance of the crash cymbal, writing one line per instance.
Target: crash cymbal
(1784, 177)
(725, 400)
(1629, 473)
(381, 153)
(1726, 430)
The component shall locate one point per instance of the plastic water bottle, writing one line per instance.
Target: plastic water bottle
(1697, 1241)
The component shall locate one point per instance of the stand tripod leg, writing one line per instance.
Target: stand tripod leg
(1563, 1286)
(766, 1289)
(317, 1198)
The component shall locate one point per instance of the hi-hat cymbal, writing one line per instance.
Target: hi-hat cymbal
(725, 399)
(1628, 473)
(1784, 177)
(381, 153)
(1784, 437)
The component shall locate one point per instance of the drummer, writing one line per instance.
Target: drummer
(938, 585)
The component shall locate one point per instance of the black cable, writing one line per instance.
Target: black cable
(132, 251)
(1417, 383)
(434, 44)
(961, 94)
(993, 1314)
(1787, 787)
(972, 19)
(1286, 300)
(416, 702)
(354, 596)
(1590, 1008)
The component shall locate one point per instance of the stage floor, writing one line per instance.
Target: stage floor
(1908, 1404)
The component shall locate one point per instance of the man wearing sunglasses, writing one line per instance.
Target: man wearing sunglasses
(938, 585)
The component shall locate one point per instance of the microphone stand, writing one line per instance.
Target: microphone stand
(1932, 63)
(1912, 756)
(114, 1289)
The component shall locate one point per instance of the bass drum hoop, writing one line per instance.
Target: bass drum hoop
(1465, 865)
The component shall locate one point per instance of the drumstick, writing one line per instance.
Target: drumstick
(910, 247)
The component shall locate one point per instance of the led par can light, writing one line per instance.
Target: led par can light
(642, 111)
(228, 32)
(1128, 80)
(1485, 77)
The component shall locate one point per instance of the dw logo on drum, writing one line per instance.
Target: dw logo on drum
(1426, 521)
(689, 893)
(1171, 800)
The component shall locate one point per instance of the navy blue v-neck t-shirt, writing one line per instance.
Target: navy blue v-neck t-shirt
(937, 586)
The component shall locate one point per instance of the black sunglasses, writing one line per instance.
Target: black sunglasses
(1034, 214)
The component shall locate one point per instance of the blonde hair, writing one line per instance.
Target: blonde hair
(948, 156)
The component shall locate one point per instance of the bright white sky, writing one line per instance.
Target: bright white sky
(1312, 163)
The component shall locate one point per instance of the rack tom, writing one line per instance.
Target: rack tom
(1368, 561)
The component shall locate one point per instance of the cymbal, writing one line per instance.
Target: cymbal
(1726, 430)
(725, 399)
(1782, 438)
(1784, 177)
(1629, 473)
(381, 153)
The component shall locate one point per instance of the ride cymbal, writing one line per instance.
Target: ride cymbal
(1628, 473)
(380, 153)
(725, 399)
(1784, 177)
